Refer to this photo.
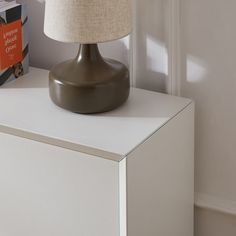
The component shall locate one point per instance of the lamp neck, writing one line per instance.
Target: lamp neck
(88, 52)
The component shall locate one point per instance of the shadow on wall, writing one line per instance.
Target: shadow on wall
(45, 52)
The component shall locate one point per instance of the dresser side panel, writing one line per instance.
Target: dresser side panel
(160, 180)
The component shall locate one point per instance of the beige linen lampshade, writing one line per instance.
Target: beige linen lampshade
(87, 21)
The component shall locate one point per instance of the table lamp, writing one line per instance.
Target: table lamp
(89, 83)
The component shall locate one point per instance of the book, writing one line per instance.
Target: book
(14, 43)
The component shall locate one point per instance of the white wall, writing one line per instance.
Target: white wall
(209, 77)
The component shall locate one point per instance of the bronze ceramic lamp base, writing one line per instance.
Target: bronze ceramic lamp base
(89, 84)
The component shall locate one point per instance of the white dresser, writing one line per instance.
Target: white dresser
(128, 172)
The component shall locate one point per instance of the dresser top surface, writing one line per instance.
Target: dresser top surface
(27, 111)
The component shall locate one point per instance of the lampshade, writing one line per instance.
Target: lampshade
(87, 21)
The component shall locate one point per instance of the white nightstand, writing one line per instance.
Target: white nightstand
(126, 172)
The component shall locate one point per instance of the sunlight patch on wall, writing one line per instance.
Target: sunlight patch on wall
(126, 41)
(196, 70)
(157, 58)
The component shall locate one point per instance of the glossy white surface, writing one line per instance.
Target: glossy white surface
(50, 190)
(123, 196)
(27, 111)
(47, 190)
(160, 181)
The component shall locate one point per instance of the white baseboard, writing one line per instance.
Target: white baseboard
(213, 203)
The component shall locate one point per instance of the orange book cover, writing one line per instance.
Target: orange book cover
(10, 44)
(14, 42)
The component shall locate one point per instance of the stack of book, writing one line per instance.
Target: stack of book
(14, 48)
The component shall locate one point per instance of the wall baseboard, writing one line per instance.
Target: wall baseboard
(209, 202)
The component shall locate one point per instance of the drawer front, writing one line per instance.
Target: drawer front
(50, 191)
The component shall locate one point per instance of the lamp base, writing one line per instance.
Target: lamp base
(89, 84)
